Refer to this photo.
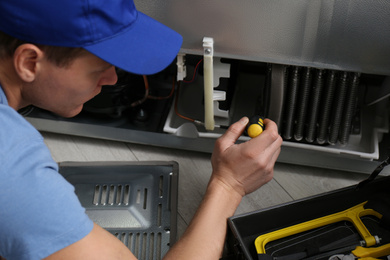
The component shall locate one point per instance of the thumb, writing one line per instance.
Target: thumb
(233, 133)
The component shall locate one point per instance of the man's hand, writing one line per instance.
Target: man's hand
(246, 166)
(238, 169)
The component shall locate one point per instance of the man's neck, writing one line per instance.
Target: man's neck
(11, 85)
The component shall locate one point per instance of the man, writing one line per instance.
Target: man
(56, 55)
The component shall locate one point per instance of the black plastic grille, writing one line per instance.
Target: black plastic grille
(136, 202)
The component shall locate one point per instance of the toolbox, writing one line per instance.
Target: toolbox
(317, 227)
(134, 201)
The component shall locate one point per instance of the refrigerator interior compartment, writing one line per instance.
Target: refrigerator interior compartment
(135, 201)
(242, 88)
(193, 108)
(257, 88)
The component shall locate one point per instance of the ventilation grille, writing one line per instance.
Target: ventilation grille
(136, 202)
(319, 105)
(142, 245)
(111, 194)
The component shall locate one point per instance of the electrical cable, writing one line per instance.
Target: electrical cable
(178, 90)
(147, 96)
(195, 72)
(166, 97)
(176, 102)
(188, 118)
(142, 100)
(147, 91)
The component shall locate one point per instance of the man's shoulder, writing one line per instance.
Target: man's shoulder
(18, 137)
(14, 127)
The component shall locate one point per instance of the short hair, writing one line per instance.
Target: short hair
(61, 56)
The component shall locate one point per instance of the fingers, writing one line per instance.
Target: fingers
(270, 125)
(268, 142)
(246, 166)
(267, 146)
(233, 133)
(269, 136)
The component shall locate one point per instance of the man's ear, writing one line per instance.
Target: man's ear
(26, 61)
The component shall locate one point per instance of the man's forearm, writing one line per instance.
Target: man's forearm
(205, 236)
(238, 169)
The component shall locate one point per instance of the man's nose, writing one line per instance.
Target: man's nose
(110, 77)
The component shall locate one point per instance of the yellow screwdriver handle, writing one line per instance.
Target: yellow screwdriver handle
(255, 126)
(352, 214)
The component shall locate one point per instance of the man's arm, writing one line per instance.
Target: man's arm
(98, 244)
(238, 169)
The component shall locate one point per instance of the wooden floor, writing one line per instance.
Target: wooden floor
(291, 182)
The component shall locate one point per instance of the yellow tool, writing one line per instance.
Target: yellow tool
(372, 251)
(350, 257)
(255, 126)
(352, 214)
(364, 253)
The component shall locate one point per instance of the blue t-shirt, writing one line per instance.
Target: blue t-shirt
(39, 210)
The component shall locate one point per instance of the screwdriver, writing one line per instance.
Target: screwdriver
(255, 126)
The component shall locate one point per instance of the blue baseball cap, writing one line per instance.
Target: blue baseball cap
(113, 30)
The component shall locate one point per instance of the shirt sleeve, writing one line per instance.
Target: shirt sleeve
(40, 212)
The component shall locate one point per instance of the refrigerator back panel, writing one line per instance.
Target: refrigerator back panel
(350, 35)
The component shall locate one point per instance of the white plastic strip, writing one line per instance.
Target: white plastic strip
(208, 73)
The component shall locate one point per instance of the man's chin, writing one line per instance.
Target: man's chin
(70, 113)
